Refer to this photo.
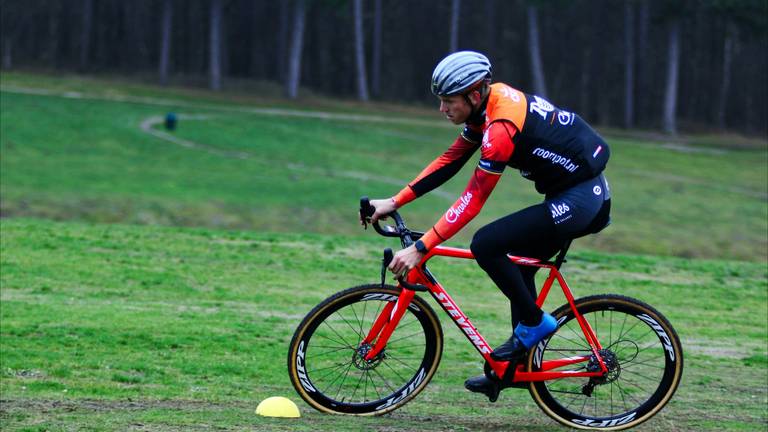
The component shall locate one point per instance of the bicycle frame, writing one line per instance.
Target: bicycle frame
(391, 314)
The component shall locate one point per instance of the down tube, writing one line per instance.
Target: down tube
(461, 320)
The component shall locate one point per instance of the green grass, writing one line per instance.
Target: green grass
(105, 327)
(65, 159)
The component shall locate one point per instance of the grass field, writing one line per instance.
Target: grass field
(72, 157)
(154, 284)
(113, 326)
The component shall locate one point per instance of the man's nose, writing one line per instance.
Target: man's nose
(443, 107)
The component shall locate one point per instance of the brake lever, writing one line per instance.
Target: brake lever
(388, 256)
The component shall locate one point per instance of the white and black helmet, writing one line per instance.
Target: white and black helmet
(457, 73)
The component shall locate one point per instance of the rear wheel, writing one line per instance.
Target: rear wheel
(326, 360)
(641, 350)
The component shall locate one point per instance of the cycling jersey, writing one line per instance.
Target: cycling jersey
(554, 148)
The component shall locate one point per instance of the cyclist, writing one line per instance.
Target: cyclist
(554, 148)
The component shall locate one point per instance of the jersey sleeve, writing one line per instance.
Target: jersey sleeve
(496, 150)
(443, 168)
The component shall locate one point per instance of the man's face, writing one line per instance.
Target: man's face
(455, 108)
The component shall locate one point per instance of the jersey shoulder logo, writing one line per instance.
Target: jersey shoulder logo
(541, 106)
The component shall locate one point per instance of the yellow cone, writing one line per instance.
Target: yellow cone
(278, 406)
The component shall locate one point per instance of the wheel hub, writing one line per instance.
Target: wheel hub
(358, 358)
(611, 362)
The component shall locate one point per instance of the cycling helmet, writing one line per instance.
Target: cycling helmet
(457, 73)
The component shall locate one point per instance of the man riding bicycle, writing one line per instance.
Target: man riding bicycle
(554, 148)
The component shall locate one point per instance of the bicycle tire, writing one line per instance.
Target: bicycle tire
(331, 351)
(646, 357)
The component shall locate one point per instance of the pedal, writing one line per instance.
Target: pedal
(490, 388)
(493, 393)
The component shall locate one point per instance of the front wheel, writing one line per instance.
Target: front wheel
(326, 360)
(641, 350)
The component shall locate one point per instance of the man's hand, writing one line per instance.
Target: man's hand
(383, 207)
(405, 260)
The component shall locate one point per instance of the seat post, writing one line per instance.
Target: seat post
(561, 256)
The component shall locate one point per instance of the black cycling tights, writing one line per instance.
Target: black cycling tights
(528, 233)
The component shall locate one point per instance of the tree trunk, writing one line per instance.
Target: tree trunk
(53, 34)
(491, 32)
(455, 13)
(214, 65)
(585, 81)
(7, 53)
(282, 38)
(297, 42)
(362, 81)
(726, 82)
(644, 92)
(534, 45)
(165, 41)
(376, 60)
(673, 64)
(85, 35)
(629, 65)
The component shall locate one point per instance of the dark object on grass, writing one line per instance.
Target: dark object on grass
(170, 121)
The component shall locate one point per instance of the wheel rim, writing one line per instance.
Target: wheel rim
(641, 363)
(334, 362)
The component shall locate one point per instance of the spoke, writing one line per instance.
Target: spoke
(343, 318)
(373, 384)
(625, 392)
(352, 398)
(344, 344)
(389, 355)
(365, 386)
(359, 330)
(623, 323)
(394, 371)
(399, 347)
(639, 375)
(611, 401)
(335, 377)
(328, 352)
(594, 396)
(333, 369)
(623, 399)
(404, 337)
(410, 323)
(583, 406)
(342, 381)
(360, 320)
(638, 322)
(383, 379)
(568, 350)
(647, 363)
(398, 359)
(579, 336)
(337, 334)
(610, 329)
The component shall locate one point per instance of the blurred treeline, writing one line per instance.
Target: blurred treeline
(654, 64)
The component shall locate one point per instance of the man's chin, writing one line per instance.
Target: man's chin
(454, 120)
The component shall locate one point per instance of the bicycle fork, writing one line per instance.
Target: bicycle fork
(386, 323)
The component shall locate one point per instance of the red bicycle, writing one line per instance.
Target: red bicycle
(612, 363)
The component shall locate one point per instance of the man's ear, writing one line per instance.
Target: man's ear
(476, 97)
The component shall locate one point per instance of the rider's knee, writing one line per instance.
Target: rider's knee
(480, 245)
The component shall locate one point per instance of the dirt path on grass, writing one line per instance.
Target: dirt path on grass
(148, 126)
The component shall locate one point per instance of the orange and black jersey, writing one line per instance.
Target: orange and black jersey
(554, 148)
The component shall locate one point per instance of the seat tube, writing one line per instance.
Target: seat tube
(546, 287)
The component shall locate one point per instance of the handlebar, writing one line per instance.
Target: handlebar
(407, 237)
